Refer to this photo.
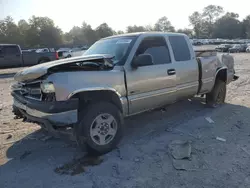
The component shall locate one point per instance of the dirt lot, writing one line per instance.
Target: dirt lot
(30, 158)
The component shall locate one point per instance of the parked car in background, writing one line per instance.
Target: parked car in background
(238, 48)
(119, 76)
(74, 52)
(11, 55)
(248, 49)
(41, 50)
(223, 47)
(62, 52)
(71, 52)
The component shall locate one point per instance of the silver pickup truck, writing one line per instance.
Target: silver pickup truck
(119, 76)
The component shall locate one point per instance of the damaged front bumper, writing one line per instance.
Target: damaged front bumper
(57, 113)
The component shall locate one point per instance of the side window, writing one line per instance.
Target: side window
(157, 48)
(11, 50)
(180, 48)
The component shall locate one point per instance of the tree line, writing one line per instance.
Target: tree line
(211, 22)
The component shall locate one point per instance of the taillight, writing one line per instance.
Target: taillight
(57, 57)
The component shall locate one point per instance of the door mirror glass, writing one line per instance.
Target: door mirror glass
(142, 60)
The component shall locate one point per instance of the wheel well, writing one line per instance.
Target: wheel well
(87, 97)
(222, 75)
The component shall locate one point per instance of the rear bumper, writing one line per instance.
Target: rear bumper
(58, 113)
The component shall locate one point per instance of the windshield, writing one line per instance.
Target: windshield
(117, 47)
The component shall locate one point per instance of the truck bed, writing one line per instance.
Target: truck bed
(205, 53)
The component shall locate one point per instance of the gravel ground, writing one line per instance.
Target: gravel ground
(31, 158)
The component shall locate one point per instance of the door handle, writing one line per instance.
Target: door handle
(171, 71)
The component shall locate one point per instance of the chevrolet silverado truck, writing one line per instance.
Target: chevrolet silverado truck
(11, 55)
(117, 77)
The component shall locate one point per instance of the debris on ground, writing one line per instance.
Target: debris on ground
(137, 159)
(239, 124)
(221, 139)
(9, 136)
(245, 150)
(180, 149)
(77, 166)
(182, 159)
(187, 165)
(25, 154)
(209, 120)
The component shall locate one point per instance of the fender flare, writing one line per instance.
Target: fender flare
(123, 102)
(94, 89)
(218, 70)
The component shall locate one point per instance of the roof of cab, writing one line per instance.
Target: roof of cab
(146, 33)
(8, 44)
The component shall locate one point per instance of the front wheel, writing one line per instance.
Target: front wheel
(100, 127)
(218, 95)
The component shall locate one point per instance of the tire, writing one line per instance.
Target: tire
(69, 56)
(16, 112)
(218, 95)
(96, 135)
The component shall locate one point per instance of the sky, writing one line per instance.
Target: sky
(118, 14)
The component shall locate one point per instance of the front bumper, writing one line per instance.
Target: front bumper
(57, 113)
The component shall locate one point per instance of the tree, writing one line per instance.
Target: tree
(89, 34)
(198, 24)
(164, 25)
(43, 32)
(210, 15)
(212, 12)
(9, 31)
(103, 31)
(188, 32)
(23, 28)
(149, 28)
(119, 32)
(246, 27)
(134, 29)
(228, 27)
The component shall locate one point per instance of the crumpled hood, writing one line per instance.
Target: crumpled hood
(37, 71)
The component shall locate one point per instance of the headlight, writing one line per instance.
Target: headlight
(47, 87)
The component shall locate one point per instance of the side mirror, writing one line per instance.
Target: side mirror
(142, 60)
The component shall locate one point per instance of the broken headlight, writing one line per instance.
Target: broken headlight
(47, 87)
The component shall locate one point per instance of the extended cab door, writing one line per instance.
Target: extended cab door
(12, 56)
(151, 86)
(187, 72)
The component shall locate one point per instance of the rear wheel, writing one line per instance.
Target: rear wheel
(218, 95)
(100, 127)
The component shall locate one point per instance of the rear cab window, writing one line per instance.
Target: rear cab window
(180, 48)
(11, 50)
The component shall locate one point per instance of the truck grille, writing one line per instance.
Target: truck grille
(29, 90)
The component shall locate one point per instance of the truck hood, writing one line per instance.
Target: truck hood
(37, 71)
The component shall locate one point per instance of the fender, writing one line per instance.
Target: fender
(123, 99)
(218, 70)
(94, 89)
